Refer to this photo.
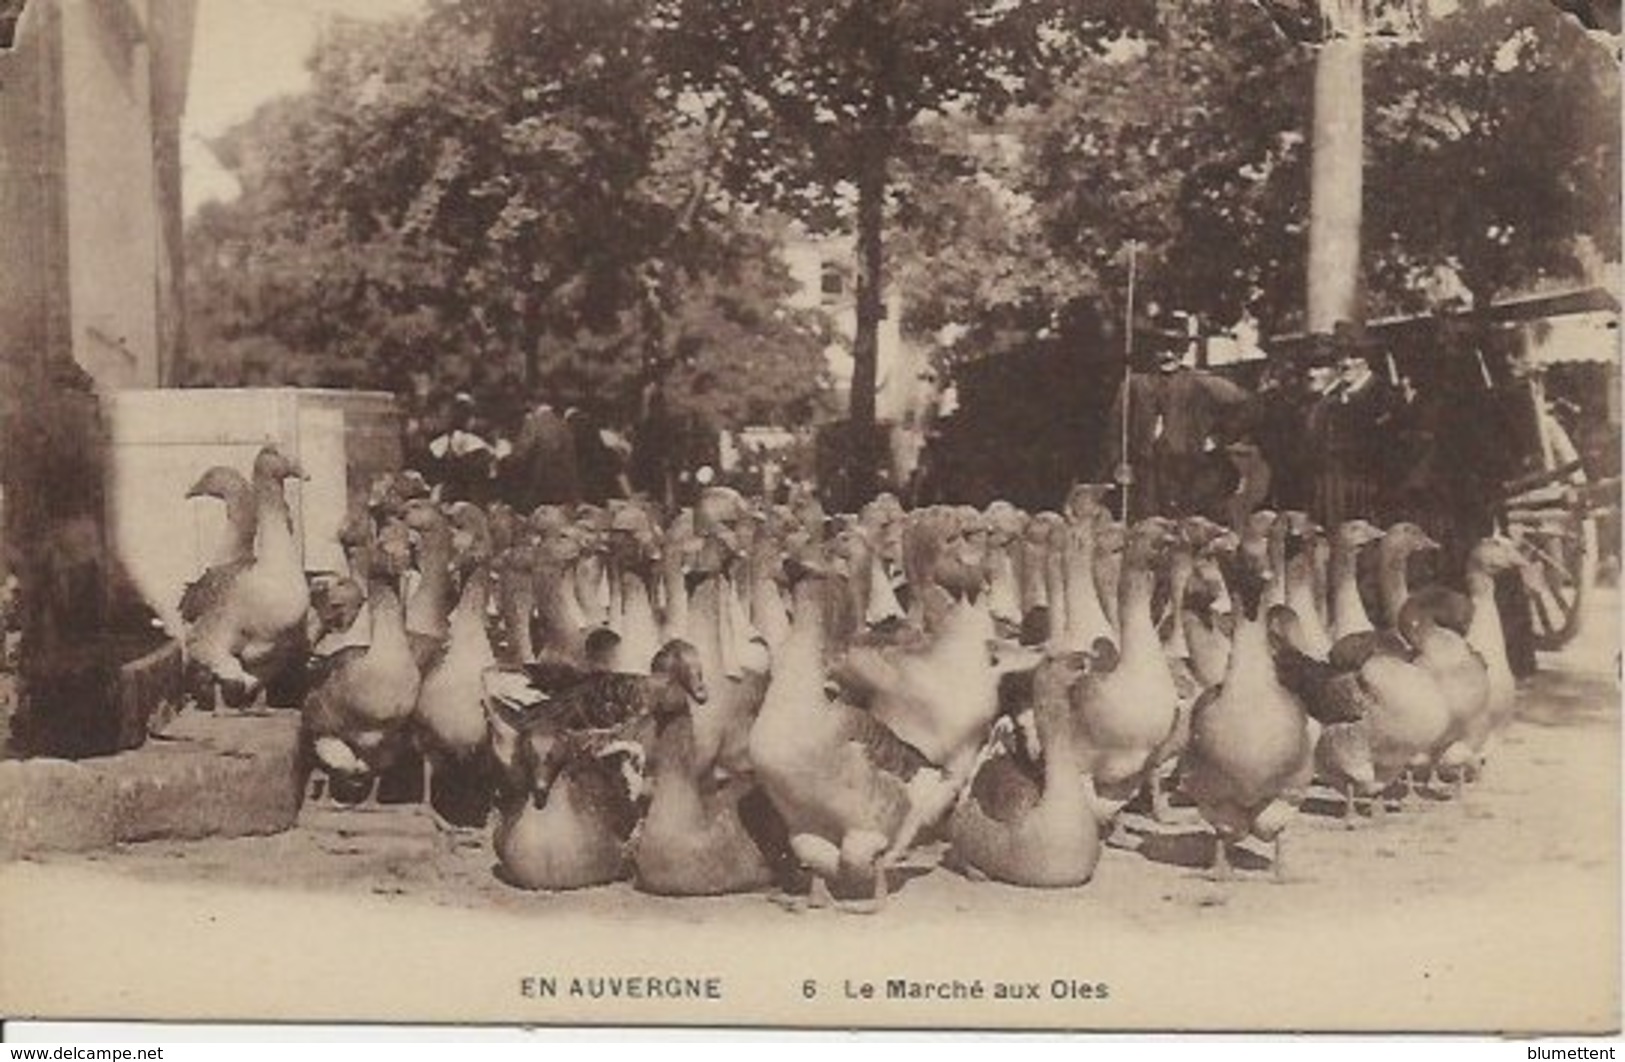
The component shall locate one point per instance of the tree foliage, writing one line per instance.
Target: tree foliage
(587, 192)
(825, 103)
(1493, 153)
(500, 190)
(1190, 141)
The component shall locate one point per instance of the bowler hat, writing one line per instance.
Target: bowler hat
(1350, 337)
(1318, 352)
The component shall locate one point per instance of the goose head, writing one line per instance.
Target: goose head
(1111, 537)
(1406, 538)
(272, 465)
(221, 482)
(1146, 542)
(1248, 570)
(1500, 553)
(1005, 523)
(633, 537)
(390, 492)
(678, 662)
(471, 534)
(391, 551)
(1353, 535)
(1086, 501)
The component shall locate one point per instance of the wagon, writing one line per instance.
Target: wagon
(1557, 512)
(1553, 514)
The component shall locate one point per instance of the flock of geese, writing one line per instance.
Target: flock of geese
(744, 697)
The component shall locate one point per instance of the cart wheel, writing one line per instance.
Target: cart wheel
(1558, 535)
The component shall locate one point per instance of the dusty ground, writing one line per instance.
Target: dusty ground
(1496, 911)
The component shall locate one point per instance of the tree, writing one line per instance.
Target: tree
(823, 102)
(1189, 140)
(1495, 143)
(450, 197)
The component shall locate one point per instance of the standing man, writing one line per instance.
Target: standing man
(546, 457)
(1350, 434)
(463, 462)
(1176, 417)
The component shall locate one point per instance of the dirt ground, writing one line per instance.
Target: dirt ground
(1497, 911)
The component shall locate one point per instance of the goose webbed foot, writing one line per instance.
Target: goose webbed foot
(876, 902)
(817, 897)
(863, 856)
(1351, 811)
(451, 839)
(1222, 870)
(1162, 809)
(820, 860)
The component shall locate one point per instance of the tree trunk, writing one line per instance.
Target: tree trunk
(530, 341)
(1336, 178)
(863, 449)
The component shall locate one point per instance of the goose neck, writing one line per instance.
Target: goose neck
(388, 615)
(1394, 583)
(1137, 586)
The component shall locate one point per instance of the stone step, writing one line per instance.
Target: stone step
(209, 775)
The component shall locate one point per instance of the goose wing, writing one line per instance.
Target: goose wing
(210, 590)
(883, 749)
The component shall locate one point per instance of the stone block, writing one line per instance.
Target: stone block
(209, 776)
(51, 805)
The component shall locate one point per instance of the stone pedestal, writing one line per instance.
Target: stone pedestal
(207, 776)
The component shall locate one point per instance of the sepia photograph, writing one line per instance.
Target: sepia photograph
(973, 515)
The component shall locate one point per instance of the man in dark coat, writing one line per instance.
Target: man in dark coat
(461, 459)
(1349, 433)
(545, 453)
(1176, 417)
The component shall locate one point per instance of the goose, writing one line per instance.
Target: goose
(702, 837)
(1085, 619)
(1209, 614)
(1486, 561)
(940, 694)
(247, 620)
(1028, 824)
(236, 546)
(360, 699)
(1107, 565)
(1349, 615)
(633, 550)
(229, 485)
(1128, 709)
(852, 795)
(450, 715)
(1394, 550)
(572, 787)
(428, 609)
(1250, 753)
(734, 658)
(739, 662)
(764, 572)
(1460, 673)
(1006, 525)
(1302, 591)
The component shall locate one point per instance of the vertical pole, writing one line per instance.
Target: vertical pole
(1128, 379)
(1336, 177)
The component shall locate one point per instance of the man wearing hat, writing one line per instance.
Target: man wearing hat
(462, 458)
(1174, 466)
(1349, 433)
(545, 453)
